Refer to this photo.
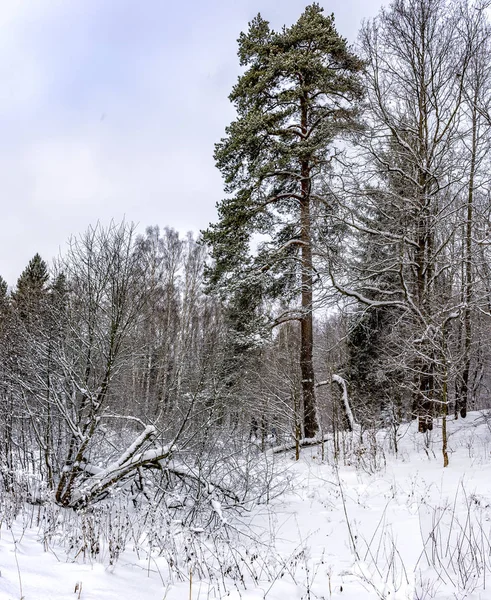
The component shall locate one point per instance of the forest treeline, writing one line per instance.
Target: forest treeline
(346, 281)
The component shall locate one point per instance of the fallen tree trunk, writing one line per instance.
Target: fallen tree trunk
(305, 443)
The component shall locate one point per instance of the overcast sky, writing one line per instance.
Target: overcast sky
(110, 109)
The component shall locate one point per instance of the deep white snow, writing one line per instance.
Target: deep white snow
(383, 526)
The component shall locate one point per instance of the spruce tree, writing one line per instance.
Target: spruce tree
(299, 91)
(4, 299)
(31, 289)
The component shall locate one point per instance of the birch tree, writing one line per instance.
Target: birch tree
(409, 202)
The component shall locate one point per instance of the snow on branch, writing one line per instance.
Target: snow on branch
(349, 413)
(129, 461)
(363, 299)
(187, 473)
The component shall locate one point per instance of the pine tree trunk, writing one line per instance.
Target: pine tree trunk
(306, 342)
(307, 335)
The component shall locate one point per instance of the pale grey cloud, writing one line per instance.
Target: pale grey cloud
(110, 109)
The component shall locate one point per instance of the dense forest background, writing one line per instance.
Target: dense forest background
(345, 285)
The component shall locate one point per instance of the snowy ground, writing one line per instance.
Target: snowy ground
(382, 527)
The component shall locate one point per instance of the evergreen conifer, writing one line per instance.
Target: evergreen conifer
(299, 91)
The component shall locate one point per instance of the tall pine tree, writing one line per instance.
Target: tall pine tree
(299, 91)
